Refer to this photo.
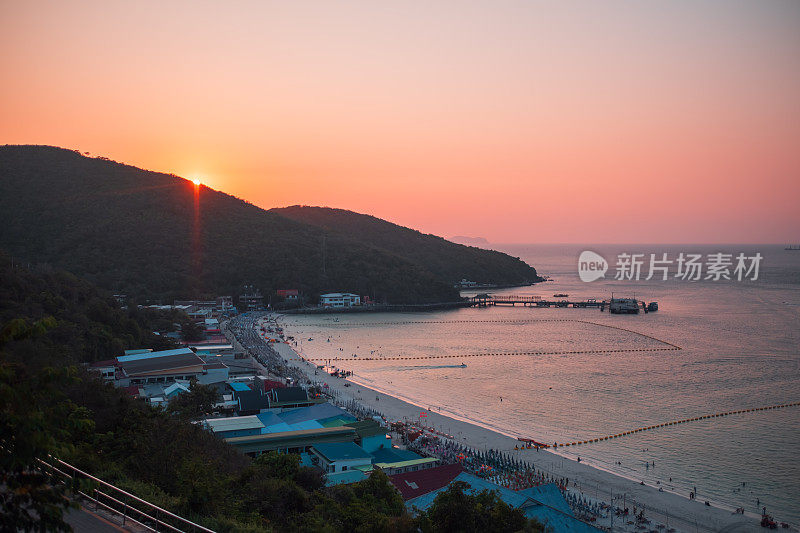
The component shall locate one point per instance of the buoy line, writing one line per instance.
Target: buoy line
(675, 422)
(509, 321)
(490, 354)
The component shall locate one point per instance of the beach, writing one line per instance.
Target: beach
(665, 507)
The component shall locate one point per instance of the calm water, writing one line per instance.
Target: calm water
(741, 349)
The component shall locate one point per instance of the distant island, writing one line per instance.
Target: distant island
(159, 237)
(469, 241)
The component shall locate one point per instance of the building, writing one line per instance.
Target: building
(623, 306)
(209, 348)
(421, 482)
(340, 456)
(544, 503)
(235, 426)
(142, 367)
(290, 295)
(288, 397)
(251, 300)
(411, 465)
(221, 305)
(339, 299)
(293, 430)
(159, 367)
(291, 441)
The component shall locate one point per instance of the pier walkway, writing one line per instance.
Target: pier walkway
(487, 300)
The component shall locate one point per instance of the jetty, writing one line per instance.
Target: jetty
(487, 300)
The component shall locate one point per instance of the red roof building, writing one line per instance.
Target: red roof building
(288, 294)
(414, 484)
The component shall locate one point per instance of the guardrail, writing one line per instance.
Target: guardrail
(119, 502)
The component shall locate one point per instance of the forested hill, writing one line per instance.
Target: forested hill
(154, 235)
(446, 259)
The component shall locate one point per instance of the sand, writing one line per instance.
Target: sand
(673, 510)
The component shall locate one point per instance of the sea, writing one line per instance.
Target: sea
(563, 375)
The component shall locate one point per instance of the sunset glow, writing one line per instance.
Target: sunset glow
(460, 118)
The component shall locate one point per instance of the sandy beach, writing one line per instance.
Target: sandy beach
(662, 507)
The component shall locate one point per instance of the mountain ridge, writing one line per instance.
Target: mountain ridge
(158, 236)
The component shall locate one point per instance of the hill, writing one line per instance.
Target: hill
(447, 260)
(158, 236)
(469, 241)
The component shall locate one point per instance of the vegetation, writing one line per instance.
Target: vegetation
(446, 259)
(50, 323)
(156, 236)
(455, 509)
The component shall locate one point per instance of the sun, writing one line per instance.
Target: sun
(197, 182)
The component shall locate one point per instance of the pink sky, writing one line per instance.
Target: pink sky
(515, 121)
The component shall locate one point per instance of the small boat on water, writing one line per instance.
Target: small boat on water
(652, 306)
(463, 365)
(560, 295)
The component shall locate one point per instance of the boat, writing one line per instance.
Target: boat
(652, 306)
(623, 306)
(560, 295)
(463, 365)
(795, 248)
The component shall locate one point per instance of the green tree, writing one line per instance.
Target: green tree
(456, 509)
(35, 420)
(190, 331)
(199, 401)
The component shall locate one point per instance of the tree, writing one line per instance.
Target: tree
(199, 401)
(190, 331)
(455, 509)
(35, 419)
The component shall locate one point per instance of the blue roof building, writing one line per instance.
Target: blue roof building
(341, 456)
(544, 503)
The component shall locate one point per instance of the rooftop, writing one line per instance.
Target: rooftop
(410, 462)
(182, 359)
(414, 484)
(341, 451)
(234, 423)
(149, 354)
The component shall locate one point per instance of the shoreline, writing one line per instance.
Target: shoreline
(666, 506)
(457, 418)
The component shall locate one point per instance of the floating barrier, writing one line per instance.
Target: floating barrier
(681, 421)
(668, 345)
(488, 354)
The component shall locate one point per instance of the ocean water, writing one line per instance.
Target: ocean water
(740, 349)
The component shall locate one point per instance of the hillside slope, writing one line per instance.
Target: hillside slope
(154, 235)
(447, 260)
(157, 236)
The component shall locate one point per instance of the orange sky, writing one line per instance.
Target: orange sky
(518, 121)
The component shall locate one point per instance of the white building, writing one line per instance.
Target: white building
(339, 299)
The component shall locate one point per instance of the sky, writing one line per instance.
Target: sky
(517, 121)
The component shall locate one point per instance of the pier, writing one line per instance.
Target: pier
(487, 300)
